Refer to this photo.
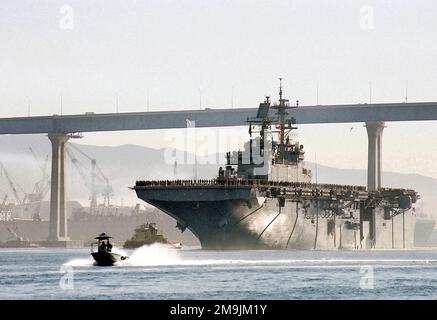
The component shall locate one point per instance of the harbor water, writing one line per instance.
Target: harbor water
(157, 272)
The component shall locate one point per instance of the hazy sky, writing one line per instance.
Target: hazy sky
(89, 52)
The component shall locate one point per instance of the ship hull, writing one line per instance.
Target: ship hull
(239, 219)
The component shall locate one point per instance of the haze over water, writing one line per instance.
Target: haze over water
(160, 273)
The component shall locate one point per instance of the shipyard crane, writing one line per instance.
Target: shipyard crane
(5, 211)
(5, 198)
(42, 168)
(14, 233)
(96, 173)
(76, 163)
(41, 187)
(11, 184)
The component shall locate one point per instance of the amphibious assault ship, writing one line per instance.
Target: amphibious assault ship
(264, 199)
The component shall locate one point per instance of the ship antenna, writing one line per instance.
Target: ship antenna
(281, 114)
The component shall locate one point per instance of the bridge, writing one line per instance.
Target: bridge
(60, 128)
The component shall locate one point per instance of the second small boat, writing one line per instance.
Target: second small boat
(147, 234)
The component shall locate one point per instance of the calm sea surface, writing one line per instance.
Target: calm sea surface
(160, 273)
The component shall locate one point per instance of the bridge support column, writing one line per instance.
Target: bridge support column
(58, 202)
(374, 169)
(374, 133)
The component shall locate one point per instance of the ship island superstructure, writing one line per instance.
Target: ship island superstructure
(264, 199)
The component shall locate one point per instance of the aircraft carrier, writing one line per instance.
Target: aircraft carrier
(264, 198)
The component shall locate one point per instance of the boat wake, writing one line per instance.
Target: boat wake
(153, 255)
(162, 255)
(79, 263)
(148, 255)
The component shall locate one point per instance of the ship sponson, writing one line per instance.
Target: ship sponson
(255, 214)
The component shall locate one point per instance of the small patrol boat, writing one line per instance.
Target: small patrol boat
(147, 234)
(104, 255)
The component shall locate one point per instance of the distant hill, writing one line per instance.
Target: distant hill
(125, 164)
(425, 186)
(122, 165)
